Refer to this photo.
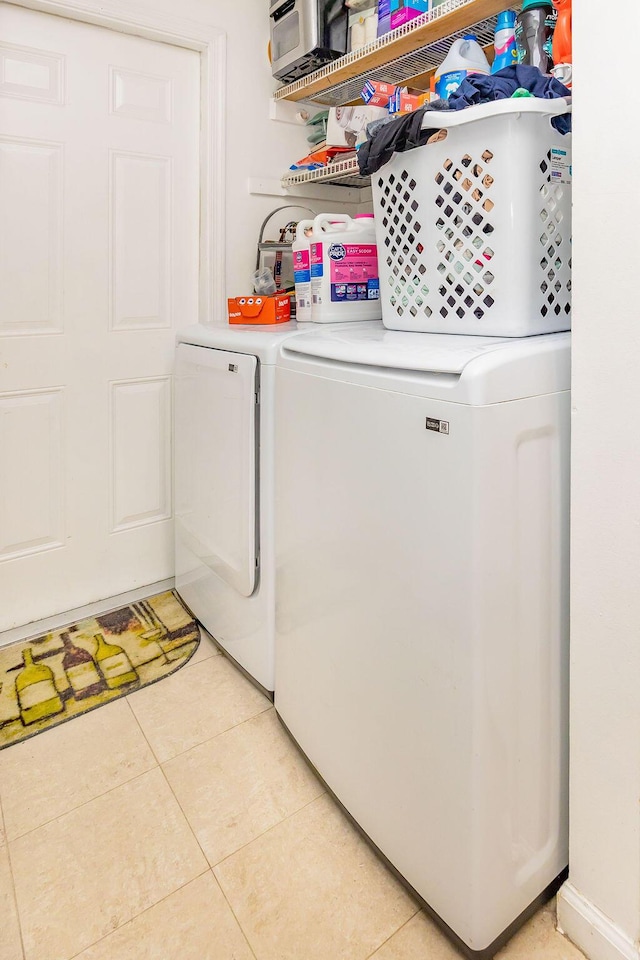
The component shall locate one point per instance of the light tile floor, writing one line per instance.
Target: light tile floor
(181, 823)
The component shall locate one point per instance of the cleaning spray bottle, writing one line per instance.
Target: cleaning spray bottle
(505, 41)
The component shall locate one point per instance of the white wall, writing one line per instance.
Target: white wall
(600, 906)
(256, 147)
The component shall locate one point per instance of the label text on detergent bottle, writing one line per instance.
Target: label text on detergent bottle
(317, 271)
(301, 266)
(354, 272)
(316, 260)
(448, 83)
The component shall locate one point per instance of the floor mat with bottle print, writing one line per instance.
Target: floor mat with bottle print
(62, 674)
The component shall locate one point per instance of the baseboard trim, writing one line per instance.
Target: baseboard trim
(593, 932)
(58, 620)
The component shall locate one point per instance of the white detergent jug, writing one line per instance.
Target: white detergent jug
(345, 283)
(465, 56)
(301, 249)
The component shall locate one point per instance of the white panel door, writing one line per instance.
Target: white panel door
(99, 193)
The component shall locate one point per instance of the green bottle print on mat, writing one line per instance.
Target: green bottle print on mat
(38, 696)
(113, 663)
(81, 671)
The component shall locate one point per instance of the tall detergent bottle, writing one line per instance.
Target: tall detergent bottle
(534, 32)
(465, 56)
(505, 41)
(561, 47)
(345, 283)
(301, 250)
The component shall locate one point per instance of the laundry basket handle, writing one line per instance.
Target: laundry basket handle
(482, 111)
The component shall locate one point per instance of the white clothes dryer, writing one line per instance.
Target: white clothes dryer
(422, 489)
(224, 426)
(224, 379)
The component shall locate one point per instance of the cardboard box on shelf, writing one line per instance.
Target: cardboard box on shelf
(402, 11)
(347, 126)
(376, 93)
(257, 309)
(406, 101)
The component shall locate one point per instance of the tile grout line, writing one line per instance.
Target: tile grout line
(191, 830)
(124, 699)
(235, 917)
(189, 663)
(209, 867)
(139, 725)
(81, 805)
(391, 935)
(160, 764)
(287, 817)
(45, 823)
(216, 735)
(269, 829)
(137, 916)
(13, 884)
(195, 747)
(206, 740)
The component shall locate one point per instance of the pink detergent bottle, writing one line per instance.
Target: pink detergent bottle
(345, 283)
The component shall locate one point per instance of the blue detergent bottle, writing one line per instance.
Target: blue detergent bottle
(505, 41)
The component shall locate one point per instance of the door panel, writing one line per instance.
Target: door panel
(31, 240)
(99, 194)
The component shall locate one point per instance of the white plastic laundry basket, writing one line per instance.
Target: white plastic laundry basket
(474, 231)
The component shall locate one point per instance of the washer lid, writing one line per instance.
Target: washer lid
(375, 346)
(463, 369)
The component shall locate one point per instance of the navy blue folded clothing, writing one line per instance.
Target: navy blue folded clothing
(478, 88)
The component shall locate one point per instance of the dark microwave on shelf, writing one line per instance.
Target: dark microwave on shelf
(306, 34)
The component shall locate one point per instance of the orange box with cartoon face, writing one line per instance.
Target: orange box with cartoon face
(259, 309)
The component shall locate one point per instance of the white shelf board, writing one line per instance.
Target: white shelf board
(310, 190)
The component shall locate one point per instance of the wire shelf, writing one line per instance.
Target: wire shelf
(411, 50)
(342, 173)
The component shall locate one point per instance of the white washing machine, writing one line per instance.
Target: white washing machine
(224, 422)
(422, 490)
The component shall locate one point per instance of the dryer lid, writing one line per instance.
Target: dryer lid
(261, 340)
